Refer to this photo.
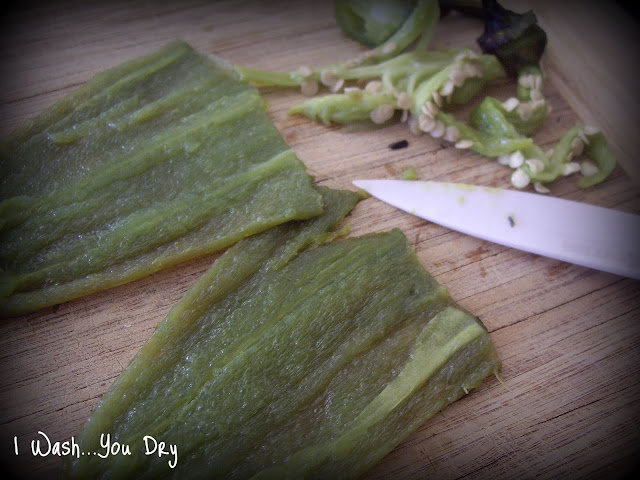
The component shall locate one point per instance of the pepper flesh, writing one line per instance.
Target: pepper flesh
(369, 22)
(285, 361)
(154, 162)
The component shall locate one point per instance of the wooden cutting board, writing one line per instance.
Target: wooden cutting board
(569, 402)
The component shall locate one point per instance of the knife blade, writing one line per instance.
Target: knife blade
(588, 235)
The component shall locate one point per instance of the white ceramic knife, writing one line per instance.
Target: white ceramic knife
(588, 235)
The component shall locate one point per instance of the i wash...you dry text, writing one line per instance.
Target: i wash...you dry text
(43, 447)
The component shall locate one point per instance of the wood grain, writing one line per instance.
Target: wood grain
(569, 401)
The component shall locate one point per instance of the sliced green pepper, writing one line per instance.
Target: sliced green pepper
(287, 361)
(152, 163)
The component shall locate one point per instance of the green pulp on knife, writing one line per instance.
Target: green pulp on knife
(292, 360)
(154, 162)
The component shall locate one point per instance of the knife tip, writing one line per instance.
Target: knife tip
(361, 184)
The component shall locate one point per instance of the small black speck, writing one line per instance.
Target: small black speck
(398, 145)
(512, 222)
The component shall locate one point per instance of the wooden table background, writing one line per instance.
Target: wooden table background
(568, 336)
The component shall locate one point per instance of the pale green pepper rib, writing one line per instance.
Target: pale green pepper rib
(496, 132)
(418, 64)
(420, 25)
(343, 108)
(450, 331)
(162, 160)
(281, 350)
(490, 133)
(598, 150)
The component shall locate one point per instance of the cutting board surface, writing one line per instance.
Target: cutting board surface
(569, 401)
